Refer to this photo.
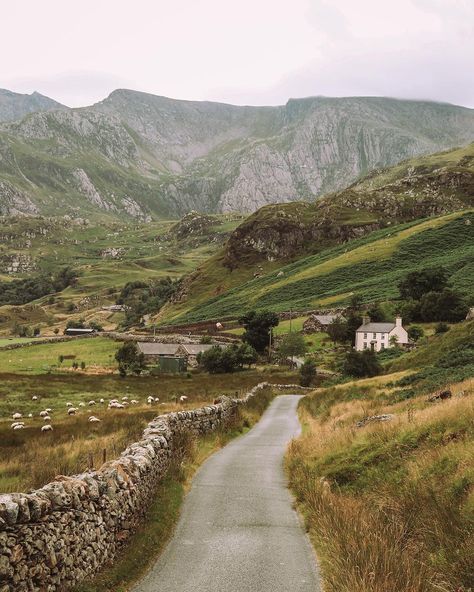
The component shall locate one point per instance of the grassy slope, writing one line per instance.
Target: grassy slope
(370, 266)
(390, 507)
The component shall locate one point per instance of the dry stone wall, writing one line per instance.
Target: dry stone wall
(56, 536)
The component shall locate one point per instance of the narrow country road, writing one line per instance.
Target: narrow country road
(238, 531)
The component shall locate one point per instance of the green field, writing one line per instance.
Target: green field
(371, 266)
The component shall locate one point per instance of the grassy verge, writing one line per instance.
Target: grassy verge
(150, 539)
(389, 506)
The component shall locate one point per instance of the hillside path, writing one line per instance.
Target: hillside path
(238, 531)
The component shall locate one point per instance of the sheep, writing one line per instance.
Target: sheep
(102, 401)
(43, 413)
(124, 398)
(68, 404)
(157, 399)
(82, 404)
(91, 403)
(94, 419)
(46, 418)
(48, 410)
(34, 398)
(116, 405)
(113, 401)
(30, 415)
(15, 423)
(71, 411)
(134, 402)
(183, 398)
(19, 427)
(47, 428)
(17, 416)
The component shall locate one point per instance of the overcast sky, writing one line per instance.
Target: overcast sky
(239, 51)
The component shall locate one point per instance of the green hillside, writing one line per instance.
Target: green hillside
(370, 266)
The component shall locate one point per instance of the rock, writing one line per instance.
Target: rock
(374, 418)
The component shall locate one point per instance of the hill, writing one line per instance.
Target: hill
(140, 156)
(277, 235)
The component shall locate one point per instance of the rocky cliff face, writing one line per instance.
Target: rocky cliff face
(136, 155)
(15, 106)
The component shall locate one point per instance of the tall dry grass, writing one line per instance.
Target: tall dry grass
(390, 507)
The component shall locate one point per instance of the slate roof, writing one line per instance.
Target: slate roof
(193, 349)
(157, 349)
(325, 319)
(376, 328)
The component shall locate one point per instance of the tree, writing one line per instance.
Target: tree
(247, 355)
(376, 314)
(308, 373)
(360, 364)
(130, 359)
(338, 331)
(76, 324)
(447, 305)
(417, 283)
(257, 328)
(217, 360)
(415, 332)
(354, 321)
(293, 344)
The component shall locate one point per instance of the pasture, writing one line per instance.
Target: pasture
(30, 458)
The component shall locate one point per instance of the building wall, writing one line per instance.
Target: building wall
(381, 340)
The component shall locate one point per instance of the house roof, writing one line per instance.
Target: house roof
(157, 349)
(376, 328)
(193, 349)
(325, 319)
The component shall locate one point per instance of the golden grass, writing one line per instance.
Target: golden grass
(389, 507)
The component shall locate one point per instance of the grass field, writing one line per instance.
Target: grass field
(29, 458)
(371, 266)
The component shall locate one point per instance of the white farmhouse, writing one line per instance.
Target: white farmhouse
(377, 336)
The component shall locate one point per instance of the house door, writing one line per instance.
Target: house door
(372, 346)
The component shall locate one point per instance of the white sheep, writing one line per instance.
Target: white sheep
(34, 398)
(17, 416)
(124, 398)
(91, 403)
(47, 428)
(19, 427)
(94, 419)
(183, 398)
(48, 410)
(71, 411)
(113, 401)
(46, 418)
(157, 399)
(134, 402)
(68, 404)
(15, 423)
(43, 413)
(102, 401)
(30, 415)
(116, 405)
(82, 404)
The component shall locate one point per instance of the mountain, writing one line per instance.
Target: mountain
(276, 235)
(15, 105)
(141, 156)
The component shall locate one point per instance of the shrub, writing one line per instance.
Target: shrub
(441, 328)
(418, 283)
(130, 359)
(308, 373)
(361, 364)
(447, 305)
(217, 360)
(415, 332)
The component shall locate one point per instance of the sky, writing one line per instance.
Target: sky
(257, 52)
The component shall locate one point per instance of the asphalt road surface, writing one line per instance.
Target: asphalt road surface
(238, 531)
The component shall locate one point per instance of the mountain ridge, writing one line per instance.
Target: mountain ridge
(141, 156)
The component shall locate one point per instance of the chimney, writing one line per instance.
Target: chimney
(365, 320)
(398, 321)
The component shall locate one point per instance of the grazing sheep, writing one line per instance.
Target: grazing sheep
(82, 404)
(30, 415)
(134, 402)
(20, 426)
(157, 399)
(48, 410)
(15, 423)
(71, 411)
(116, 405)
(34, 398)
(91, 403)
(47, 428)
(43, 413)
(124, 398)
(113, 401)
(68, 404)
(17, 416)
(183, 398)
(102, 401)
(46, 418)
(94, 419)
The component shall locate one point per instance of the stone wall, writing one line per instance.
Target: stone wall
(54, 537)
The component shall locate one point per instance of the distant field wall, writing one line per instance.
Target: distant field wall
(55, 537)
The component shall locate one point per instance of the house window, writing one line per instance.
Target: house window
(382, 346)
(365, 335)
(365, 345)
(375, 335)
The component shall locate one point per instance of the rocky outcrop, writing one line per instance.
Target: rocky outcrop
(15, 105)
(54, 537)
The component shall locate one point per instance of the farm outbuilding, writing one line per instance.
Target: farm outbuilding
(154, 351)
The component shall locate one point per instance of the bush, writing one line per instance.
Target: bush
(361, 364)
(441, 328)
(415, 332)
(217, 360)
(418, 283)
(447, 305)
(308, 373)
